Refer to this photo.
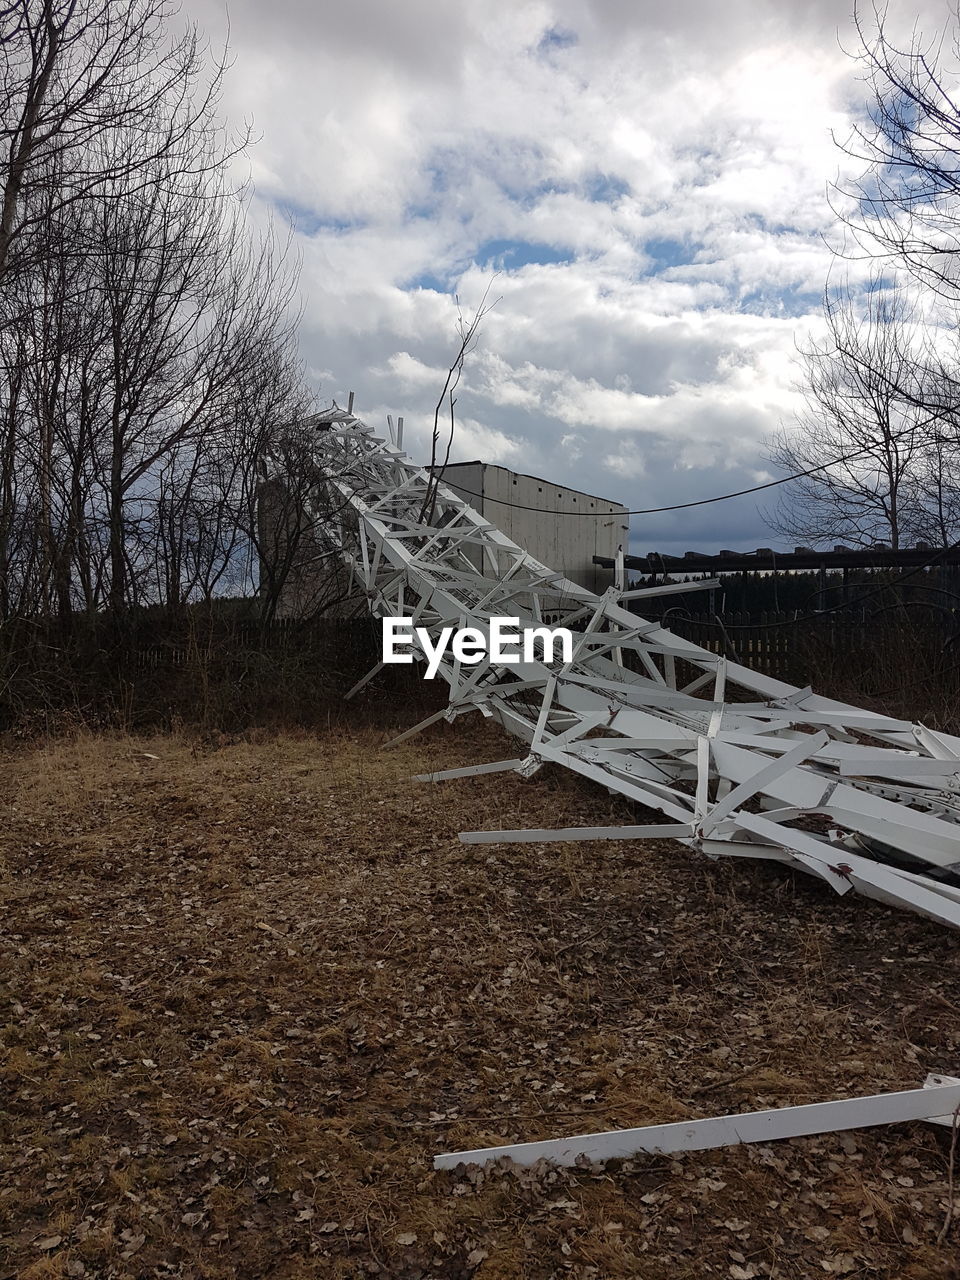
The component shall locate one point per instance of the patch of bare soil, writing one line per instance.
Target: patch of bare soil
(250, 989)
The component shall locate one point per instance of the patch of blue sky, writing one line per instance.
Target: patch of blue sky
(527, 195)
(605, 188)
(666, 252)
(448, 171)
(756, 221)
(308, 222)
(493, 255)
(880, 282)
(882, 184)
(556, 37)
(428, 280)
(509, 255)
(441, 174)
(780, 302)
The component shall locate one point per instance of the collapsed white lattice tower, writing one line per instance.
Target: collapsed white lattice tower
(738, 763)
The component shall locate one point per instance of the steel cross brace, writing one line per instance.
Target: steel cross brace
(734, 760)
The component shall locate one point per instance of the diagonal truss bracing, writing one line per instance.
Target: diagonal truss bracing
(737, 763)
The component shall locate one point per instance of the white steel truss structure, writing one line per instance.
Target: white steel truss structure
(937, 1102)
(737, 763)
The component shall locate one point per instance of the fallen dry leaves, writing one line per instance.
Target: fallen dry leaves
(249, 991)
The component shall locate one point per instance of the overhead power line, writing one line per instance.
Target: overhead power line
(699, 502)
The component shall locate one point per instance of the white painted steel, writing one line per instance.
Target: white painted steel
(732, 759)
(937, 1101)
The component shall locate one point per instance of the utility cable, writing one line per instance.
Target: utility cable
(700, 502)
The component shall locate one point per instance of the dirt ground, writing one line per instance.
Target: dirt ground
(249, 989)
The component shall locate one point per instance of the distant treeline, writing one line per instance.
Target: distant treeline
(148, 350)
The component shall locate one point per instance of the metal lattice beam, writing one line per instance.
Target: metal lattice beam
(740, 764)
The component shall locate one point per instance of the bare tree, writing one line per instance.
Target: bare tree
(73, 73)
(155, 338)
(885, 384)
(905, 205)
(865, 397)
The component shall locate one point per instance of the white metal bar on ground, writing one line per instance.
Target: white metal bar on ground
(374, 670)
(545, 835)
(932, 1102)
(447, 713)
(469, 771)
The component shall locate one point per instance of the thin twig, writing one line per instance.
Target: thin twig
(468, 338)
(950, 1171)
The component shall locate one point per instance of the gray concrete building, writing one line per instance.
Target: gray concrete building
(301, 579)
(533, 513)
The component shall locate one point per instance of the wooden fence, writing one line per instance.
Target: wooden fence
(337, 642)
(792, 646)
(236, 671)
(785, 645)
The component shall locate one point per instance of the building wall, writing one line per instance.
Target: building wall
(316, 583)
(564, 542)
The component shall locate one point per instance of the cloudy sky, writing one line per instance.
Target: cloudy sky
(645, 184)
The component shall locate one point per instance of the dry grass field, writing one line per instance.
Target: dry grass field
(250, 987)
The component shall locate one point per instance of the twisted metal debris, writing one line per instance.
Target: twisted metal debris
(738, 764)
